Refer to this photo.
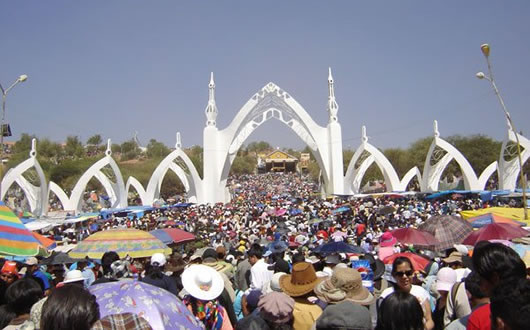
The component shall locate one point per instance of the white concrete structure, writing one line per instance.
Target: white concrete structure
(220, 147)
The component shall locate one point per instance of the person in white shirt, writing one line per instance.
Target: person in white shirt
(260, 274)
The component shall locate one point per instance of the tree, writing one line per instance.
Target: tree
(73, 147)
(23, 145)
(195, 154)
(258, 147)
(94, 140)
(157, 149)
(49, 150)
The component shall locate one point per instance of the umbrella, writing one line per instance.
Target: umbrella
(58, 258)
(172, 235)
(448, 230)
(132, 242)
(157, 306)
(486, 219)
(386, 210)
(418, 262)
(314, 221)
(415, 237)
(496, 231)
(45, 241)
(341, 209)
(338, 247)
(15, 238)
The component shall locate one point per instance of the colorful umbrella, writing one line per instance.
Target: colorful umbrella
(172, 235)
(338, 247)
(485, 219)
(157, 306)
(418, 262)
(448, 230)
(495, 231)
(132, 242)
(415, 237)
(15, 238)
(45, 241)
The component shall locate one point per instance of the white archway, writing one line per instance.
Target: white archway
(509, 169)
(433, 173)
(37, 196)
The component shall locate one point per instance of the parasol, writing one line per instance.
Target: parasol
(496, 231)
(15, 238)
(447, 229)
(132, 242)
(157, 306)
(486, 219)
(418, 262)
(338, 247)
(415, 237)
(45, 241)
(172, 235)
(386, 210)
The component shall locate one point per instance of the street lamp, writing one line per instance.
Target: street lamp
(20, 79)
(485, 48)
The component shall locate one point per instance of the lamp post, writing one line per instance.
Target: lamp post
(485, 48)
(20, 79)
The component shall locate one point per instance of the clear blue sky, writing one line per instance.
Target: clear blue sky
(115, 67)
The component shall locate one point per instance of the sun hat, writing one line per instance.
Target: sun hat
(202, 282)
(445, 279)
(125, 321)
(276, 307)
(9, 267)
(455, 256)
(346, 315)
(73, 276)
(302, 280)
(158, 259)
(387, 239)
(345, 283)
(32, 261)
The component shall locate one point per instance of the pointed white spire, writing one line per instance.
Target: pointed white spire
(364, 137)
(211, 108)
(436, 132)
(108, 152)
(333, 107)
(33, 151)
(178, 145)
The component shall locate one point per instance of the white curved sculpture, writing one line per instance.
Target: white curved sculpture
(413, 172)
(37, 196)
(132, 181)
(115, 191)
(433, 173)
(192, 180)
(221, 146)
(509, 169)
(389, 173)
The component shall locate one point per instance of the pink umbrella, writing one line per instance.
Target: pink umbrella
(281, 212)
(415, 237)
(495, 231)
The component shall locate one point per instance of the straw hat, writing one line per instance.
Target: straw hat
(345, 283)
(202, 282)
(301, 281)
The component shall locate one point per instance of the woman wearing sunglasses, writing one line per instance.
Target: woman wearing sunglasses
(403, 272)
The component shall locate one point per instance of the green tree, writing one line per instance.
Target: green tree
(129, 150)
(258, 147)
(195, 154)
(23, 145)
(73, 147)
(95, 140)
(157, 149)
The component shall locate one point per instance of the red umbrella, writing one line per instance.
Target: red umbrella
(173, 234)
(495, 231)
(418, 262)
(415, 236)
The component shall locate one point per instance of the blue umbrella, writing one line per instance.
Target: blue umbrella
(295, 211)
(341, 209)
(338, 247)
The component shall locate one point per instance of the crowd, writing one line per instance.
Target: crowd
(280, 257)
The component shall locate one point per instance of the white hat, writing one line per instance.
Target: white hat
(202, 282)
(73, 276)
(445, 278)
(159, 259)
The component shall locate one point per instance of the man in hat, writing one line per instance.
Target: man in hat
(33, 270)
(299, 285)
(9, 272)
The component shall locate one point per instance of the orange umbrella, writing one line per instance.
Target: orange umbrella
(488, 218)
(418, 262)
(45, 241)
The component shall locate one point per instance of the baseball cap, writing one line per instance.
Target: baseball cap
(445, 279)
(32, 261)
(158, 259)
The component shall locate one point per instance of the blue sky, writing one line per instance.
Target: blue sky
(116, 67)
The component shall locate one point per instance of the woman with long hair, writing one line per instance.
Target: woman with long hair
(400, 311)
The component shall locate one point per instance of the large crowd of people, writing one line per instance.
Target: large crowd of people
(278, 256)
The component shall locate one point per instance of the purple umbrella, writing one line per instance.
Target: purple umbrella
(159, 307)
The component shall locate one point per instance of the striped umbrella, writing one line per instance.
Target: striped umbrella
(448, 230)
(133, 242)
(15, 238)
(172, 235)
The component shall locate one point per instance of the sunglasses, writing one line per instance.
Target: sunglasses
(408, 273)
